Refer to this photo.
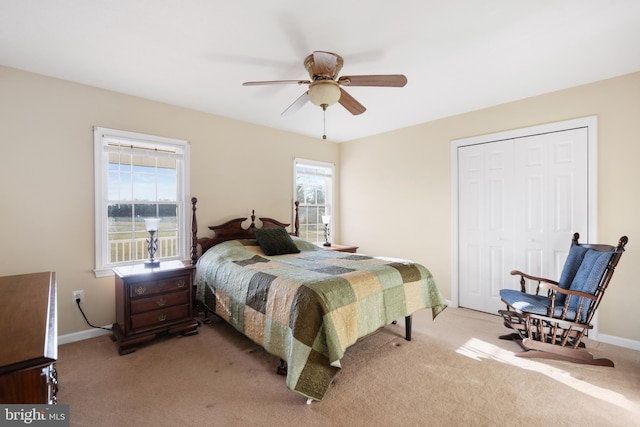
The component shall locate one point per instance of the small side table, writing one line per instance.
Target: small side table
(339, 248)
(152, 300)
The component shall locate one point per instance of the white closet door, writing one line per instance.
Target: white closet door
(551, 199)
(485, 222)
(520, 200)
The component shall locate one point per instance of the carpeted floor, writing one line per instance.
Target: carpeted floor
(454, 372)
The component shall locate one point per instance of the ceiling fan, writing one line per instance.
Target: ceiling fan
(325, 88)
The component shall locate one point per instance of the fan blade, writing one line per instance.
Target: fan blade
(324, 64)
(350, 103)
(387, 80)
(277, 82)
(297, 104)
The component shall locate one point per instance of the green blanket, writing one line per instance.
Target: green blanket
(307, 308)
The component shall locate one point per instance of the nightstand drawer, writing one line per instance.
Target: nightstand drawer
(156, 302)
(150, 301)
(155, 287)
(159, 317)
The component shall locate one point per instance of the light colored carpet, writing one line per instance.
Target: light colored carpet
(455, 371)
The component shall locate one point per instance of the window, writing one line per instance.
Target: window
(314, 192)
(139, 176)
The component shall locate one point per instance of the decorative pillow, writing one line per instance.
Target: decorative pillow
(275, 241)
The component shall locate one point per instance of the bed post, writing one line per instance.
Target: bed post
(194, 231)
(296, 220)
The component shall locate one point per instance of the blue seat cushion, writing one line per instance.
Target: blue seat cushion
(535, 304)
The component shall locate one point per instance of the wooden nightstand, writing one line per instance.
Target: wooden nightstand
(339, 248)
(152, 300)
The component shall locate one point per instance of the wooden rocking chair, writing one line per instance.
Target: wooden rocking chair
(552, 324)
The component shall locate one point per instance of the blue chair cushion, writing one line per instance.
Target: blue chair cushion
(591, 271)
(588, 277)
(571, 266)
(535, 304)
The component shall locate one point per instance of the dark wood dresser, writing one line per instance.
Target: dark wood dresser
(29, 337)
(152, 300)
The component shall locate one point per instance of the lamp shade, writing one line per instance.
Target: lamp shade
(324, 92)
(152, 223)
(326, 219)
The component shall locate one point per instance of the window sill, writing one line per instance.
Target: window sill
(104, 272)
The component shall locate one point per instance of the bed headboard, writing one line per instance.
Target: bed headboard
(232, 230)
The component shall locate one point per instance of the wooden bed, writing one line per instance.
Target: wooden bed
(305, 306)
(231, 230)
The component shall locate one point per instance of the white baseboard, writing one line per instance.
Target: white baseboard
(82, 335)
(620, 342)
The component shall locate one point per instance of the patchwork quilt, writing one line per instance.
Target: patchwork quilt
(308, 307)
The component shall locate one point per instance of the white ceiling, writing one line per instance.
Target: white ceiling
(458, 55)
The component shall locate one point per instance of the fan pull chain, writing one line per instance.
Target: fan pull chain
(324, 121)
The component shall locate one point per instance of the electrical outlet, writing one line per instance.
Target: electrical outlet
(78, 294)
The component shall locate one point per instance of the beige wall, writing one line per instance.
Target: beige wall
(47, 203)
(396, 197)
(394, 192)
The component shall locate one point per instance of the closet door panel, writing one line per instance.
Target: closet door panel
(471, 224)
(552, 172)
(485, 223)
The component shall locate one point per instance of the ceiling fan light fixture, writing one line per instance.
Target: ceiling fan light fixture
(324, 93)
